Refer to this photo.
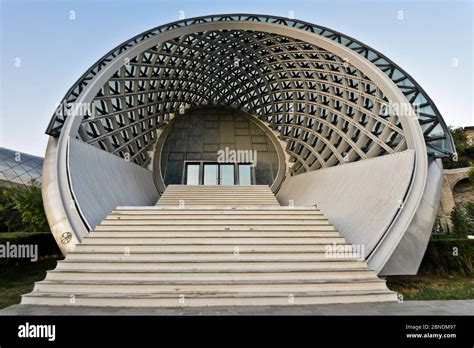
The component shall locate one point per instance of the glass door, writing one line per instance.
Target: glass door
(192, 174)
(245, 174)
(210, 174)
(226, 174)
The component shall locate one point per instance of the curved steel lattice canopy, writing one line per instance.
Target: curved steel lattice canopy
(327, 110)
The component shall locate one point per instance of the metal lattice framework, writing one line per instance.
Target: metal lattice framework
(326, 110)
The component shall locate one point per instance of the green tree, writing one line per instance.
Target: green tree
(462, 162)
(10, 218)
(460, 139)
(461, 225)
(463, 149)
(22, 209)
(469, 207)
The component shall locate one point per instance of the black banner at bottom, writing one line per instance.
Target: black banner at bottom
(228, 330)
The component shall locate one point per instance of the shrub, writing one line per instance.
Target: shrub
(21, 208)
(461, 224)
(464, 149)
(460, 139)
(10, 218)
(448, 256)
(469, 152)
(469, 207)
(450, 164)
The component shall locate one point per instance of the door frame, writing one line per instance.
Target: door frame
(201, 172)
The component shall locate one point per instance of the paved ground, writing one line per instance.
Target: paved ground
(464, 307)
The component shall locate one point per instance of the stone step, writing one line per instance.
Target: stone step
(193, 249)
(216, 217)
(229, 203)
(239, 187)
(219, 196)
(206, 267)
(227, 193)
(220, 227)
(212, 278)
(209, 222)
(215, 241)
(151, 288)
(212, 234)
(289, 214)
(205, 299)
(216, 209)
(197, 258)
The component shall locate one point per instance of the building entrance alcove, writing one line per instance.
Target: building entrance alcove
(218, 146)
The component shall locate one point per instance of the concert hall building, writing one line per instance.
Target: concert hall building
(240, 160)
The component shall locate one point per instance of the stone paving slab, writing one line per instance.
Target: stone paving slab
(453, 307)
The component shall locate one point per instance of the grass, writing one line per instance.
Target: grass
(20, 279)
(433, 287)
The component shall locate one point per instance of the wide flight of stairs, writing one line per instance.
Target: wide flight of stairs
(218, 195)
(193, 255)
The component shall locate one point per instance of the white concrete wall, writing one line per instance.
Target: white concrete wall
(360, 198)
(101, 181)
(407, 257)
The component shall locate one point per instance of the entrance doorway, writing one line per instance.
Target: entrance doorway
(213, 173)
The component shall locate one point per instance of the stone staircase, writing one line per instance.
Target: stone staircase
(220, 254)
(254, 195)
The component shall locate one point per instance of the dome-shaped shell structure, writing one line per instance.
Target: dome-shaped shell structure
(353, 125)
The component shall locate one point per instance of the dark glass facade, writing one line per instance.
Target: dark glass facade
(197, 137)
